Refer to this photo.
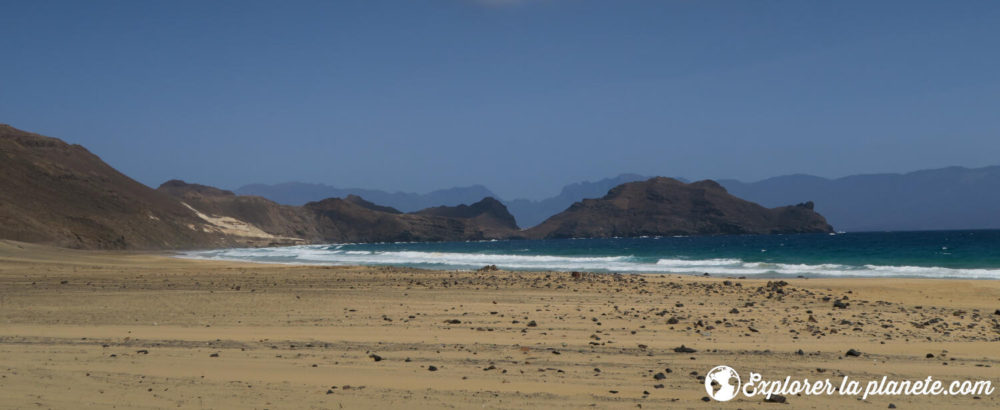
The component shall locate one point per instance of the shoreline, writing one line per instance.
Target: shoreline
(140, 329)
(617, 258)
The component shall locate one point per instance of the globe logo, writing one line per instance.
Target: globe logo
(722, 383)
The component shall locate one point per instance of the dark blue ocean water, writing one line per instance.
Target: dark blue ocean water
(939, 254)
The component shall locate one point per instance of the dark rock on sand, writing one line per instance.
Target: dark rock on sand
(684, 349)
(852, 353)
(775, 398)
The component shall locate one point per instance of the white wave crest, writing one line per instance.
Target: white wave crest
(338, 255)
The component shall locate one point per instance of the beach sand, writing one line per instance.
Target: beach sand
(128, 330)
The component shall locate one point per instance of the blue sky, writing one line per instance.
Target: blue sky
(521, 96)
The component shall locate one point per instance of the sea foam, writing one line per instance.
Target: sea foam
(338, 255)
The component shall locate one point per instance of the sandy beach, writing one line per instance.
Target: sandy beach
(87, 329)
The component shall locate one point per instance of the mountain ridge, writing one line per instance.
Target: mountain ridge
(961, 199)
(300, 193)
(59, 193)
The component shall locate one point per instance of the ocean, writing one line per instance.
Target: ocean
(936, 254)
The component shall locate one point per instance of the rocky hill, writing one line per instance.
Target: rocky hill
(350, 219)
(359, 201)
(61, 194)
(488, 213)
(344, 220)
(665, 206)
(533, 212)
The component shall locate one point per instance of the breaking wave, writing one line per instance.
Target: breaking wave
(338, 255)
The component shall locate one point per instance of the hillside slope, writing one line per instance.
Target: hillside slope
(61, 194)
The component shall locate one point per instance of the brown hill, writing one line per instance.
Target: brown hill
(487, 213)
(57, 193)
(665, 206)
(351, 219)
(359, 201)
(344, 220)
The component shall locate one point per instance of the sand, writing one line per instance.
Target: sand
(128, 330)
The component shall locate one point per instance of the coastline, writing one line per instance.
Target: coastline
(164, 317)
(946, 255)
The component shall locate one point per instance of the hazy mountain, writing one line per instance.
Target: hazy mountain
(530, 212)
(946, 198)
(666, 206)
(300, 193)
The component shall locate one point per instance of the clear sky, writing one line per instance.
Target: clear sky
(520, 96)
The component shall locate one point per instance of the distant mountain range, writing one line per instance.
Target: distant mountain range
(527, 212)
(936, 199)
(300, 193)
(58, 193)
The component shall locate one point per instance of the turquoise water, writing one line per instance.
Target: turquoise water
(938, 254)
